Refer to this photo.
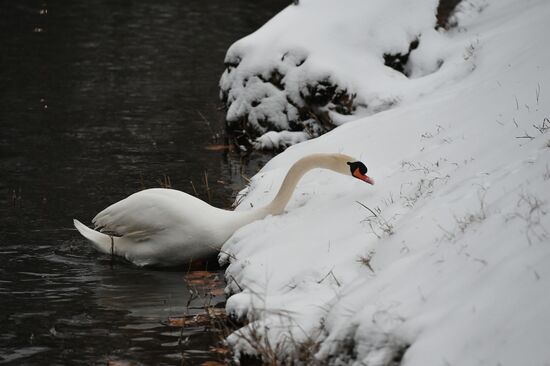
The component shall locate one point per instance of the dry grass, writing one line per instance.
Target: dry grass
(531, 210)
(464, 222)
(287, 350)
(206, 189)
(473, 217)
(379, 226)
(165, 182)
(431, 177)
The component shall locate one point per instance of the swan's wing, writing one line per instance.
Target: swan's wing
(145, 214)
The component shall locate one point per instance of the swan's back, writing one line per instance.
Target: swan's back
(151, 211)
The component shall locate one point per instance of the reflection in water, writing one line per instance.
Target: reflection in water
(100, 99)
(160, 296)
(157, 296)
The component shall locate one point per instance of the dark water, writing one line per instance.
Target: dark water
(99, 99)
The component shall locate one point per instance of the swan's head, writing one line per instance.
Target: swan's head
(359, 171)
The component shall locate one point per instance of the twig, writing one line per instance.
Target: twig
(207, 122)
(194, 189)
(449, 234)
(526, 136)
(207, 187)
(226, 253)
(375, 215)
(545, 126)
(248, 180)
(330, 273)
(236, 283)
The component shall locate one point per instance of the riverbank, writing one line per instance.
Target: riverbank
(446, 259)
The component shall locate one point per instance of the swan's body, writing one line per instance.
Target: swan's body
(164, 227)
(167, 227)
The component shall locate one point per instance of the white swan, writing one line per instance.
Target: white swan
(166, 227)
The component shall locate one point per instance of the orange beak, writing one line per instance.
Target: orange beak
(363, 177)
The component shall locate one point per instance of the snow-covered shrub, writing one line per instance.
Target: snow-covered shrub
(322, 63)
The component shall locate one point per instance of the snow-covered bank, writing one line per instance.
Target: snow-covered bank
(455, 266)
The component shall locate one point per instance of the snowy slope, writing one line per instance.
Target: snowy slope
(455, 267)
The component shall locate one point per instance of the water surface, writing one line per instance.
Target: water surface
(100, 99)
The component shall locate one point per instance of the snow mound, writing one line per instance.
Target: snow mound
(450, 263)
(322, 63)
(279, 140)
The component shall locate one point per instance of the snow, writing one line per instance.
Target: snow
(280, 140)
(455, 267)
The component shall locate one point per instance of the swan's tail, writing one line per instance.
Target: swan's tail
(103, 243)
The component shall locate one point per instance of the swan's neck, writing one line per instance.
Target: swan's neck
(335, 162)
(296, 172)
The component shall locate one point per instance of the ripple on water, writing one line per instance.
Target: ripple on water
(142, 326)
(142, 339)
(41, 275)
(31, 315)
(14, 354)
(81, 319)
